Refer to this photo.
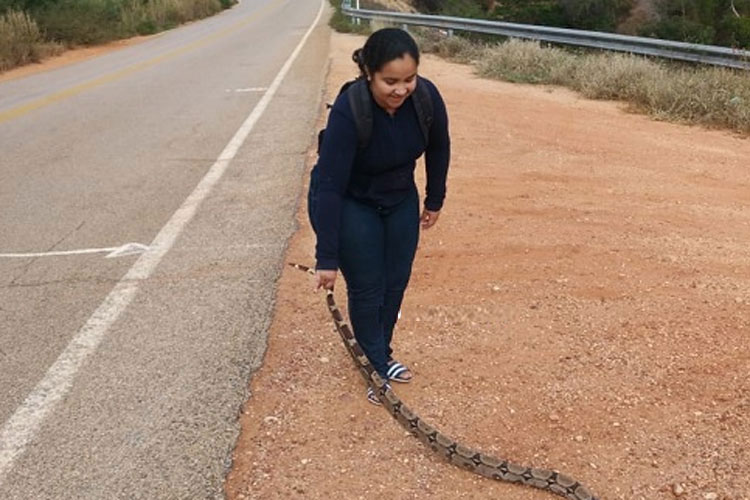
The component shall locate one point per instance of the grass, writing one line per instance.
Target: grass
(704, 95)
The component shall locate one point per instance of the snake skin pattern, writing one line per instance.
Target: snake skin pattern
(452, 451)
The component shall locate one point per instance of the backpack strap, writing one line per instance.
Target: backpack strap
(360, 102)
(361, 105)
(423, 106)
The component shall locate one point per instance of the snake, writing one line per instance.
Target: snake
(454, 452)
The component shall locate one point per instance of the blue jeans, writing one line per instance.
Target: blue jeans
(376, 250)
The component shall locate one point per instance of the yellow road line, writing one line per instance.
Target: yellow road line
(102, 80)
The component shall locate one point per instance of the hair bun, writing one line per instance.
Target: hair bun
(357, 57)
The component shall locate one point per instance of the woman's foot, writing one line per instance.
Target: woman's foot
(372, 396)
(398, 372)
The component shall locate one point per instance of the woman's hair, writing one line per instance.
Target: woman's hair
(382, 47)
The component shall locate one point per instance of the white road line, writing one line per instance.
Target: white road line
(249, 89)
(20, 429)
(122, 250)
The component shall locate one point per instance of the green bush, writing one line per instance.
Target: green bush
(429, 6)
(146, 27)
(531, 12)
(680, 29)
(702, 21)
(146, 17)
(736, 32)
(464, 8)
(598, 15)
(80, 22)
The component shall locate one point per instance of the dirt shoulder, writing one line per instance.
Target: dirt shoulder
(582, 305)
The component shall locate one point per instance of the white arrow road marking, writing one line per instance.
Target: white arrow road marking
(121, 251)
(127, 249)
(22, 426)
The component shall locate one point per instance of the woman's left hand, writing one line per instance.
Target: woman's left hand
(429, 218)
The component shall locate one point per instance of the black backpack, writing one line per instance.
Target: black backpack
(361, 104)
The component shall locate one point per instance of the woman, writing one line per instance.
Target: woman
(366, 211)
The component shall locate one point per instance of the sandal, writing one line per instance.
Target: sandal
(397, 372)
(372, 396)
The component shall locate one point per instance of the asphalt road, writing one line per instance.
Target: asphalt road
(106, 152)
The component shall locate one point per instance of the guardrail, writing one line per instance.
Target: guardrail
(704, 54)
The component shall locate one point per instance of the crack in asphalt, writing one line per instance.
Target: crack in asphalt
(28, 265)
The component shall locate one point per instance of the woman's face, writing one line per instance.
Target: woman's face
(395, 81)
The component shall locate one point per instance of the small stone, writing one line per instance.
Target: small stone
(324, 359)
(711, 496)
(305, 461)
(554, 417)
(271, 419)
(579, 439)
(678, 490)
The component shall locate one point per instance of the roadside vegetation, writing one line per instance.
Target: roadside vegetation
(709, 96)
(33, 29)
(686, 93)
(717, 22)
(21, 41)
(344, 24)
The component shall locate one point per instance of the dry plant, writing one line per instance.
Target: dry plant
(21, 41)
(702, 95)
(522, 62)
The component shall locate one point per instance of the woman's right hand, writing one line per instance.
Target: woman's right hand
(325, 279)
